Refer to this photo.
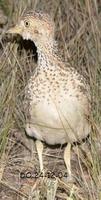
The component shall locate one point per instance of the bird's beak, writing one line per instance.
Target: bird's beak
(15, 30)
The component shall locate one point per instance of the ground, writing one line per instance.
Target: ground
(78, 32)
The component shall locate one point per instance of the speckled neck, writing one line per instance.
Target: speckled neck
(45, 52)
(44, 55)
(42, 58)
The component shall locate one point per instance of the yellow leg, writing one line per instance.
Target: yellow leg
(67, 158)
(39, 147)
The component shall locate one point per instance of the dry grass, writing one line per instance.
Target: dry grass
(78, 31)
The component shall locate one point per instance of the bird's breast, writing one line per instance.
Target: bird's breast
(57, 114)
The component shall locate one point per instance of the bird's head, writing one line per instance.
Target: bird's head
(35, 26)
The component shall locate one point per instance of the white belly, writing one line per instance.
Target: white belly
(58, 122)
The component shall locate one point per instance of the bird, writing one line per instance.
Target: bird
(58, 96)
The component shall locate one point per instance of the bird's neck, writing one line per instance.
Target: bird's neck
(45, 53)
(43, 62)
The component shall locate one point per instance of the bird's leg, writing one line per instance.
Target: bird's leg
(67, 158)
(39, 147)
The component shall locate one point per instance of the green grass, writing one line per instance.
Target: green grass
(78, 31)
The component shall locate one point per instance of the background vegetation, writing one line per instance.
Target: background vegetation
(78, 32)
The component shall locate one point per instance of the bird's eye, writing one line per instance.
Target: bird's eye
(27, 24)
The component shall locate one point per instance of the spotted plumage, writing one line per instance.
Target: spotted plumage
(58, 96)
